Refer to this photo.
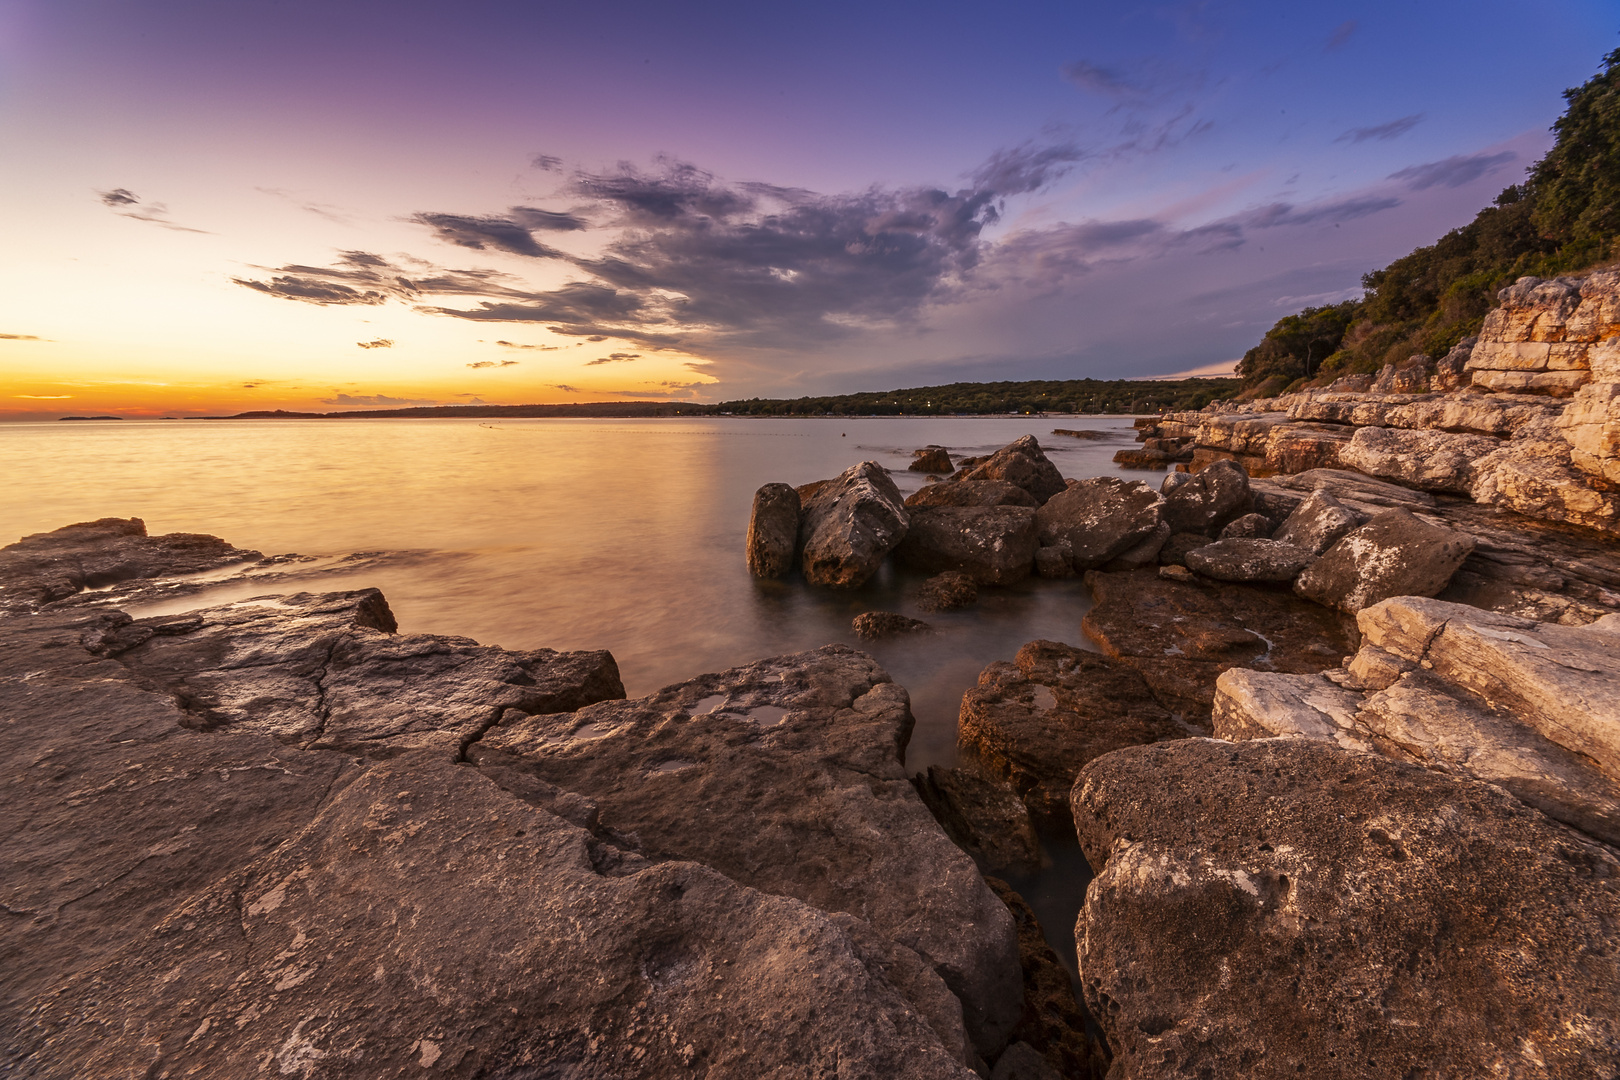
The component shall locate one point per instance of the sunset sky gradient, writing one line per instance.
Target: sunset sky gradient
(213, 206)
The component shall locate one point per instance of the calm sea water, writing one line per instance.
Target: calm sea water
(573, 534)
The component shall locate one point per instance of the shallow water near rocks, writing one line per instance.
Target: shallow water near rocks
(567, 534)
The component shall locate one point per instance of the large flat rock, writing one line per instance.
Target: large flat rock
(786, 776)
(1283, 907)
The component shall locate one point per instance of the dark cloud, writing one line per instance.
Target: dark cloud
(515, 345)
(1025, 168)
(156, 213)
(1453, 171)
(1341, 36)
(493, 363)
(1329, 213)
(565, 388)
(20, 337)
(359, 277)
(546, 162)
(1109, 82)
(481, 233)
(550, 220)
(614, 358)
(593, 337)
(380, 343)
(1382, 132)
(352, 400)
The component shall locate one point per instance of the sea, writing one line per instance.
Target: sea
(625, 535)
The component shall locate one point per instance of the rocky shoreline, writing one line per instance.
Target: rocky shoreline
(1343, 754)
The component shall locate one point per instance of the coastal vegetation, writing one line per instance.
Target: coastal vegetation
(1564, 217)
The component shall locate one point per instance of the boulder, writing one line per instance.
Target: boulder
(1204, 501)
(1099, 518)
(1144, 552)
(1394, 554)
(871, 625)
(932, 459)
(1247, 527)
(1176, 548)
(947, 591)
(1249, 560)
(995, 545)
(1451, 370)
(1052, 1032)
(984, 818)
(848, 525)
(1534, 474)
(1034, 723)
(1430, 460)
(1316, 524)
(1021, 463)
(1056, 561)
(773, 531)
(786, 776)
(53, 566)
(1285, 907)
(970, 493)
(1181, 636)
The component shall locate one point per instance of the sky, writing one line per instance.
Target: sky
(213, 205)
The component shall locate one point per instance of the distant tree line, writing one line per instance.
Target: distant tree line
(1122, 396)
(1564, 217)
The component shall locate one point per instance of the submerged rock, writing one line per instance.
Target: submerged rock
(947, 592)
(994, 545)
(870, 625)
(773, 531)
(1261, 908)
(849, 524)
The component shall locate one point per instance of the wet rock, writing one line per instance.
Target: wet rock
(1022, 463)
(348, 952)
(1247, 527)
(1394, 554)
(1205, 501)
(848, 525)
(53, 566)
(1249, 560)
(994, 545)
(1034, 723)
(984, 818)
(871, 625)
(970, 493)
(1056, 561)
(1182, 636)
(1021, 1061)
(1175, 549)
(947, 592)
(1099, 518)
(773, 531)
(1053, 1027)
(932, 459)
(786, 776)
(1430, 460)
(1090, 434)
(323, 670)
(1264, 907)
(1317, 523)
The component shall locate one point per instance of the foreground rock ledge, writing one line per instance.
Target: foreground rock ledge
(1285, 907)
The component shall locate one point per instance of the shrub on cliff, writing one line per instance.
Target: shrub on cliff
(1564, 217)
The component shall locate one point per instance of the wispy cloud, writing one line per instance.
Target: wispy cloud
(21, 337)
(515, 345)
(43, 397)
(1097, 79)
(493, 363)
(1332, 212)
(125, 203)
(380, 343)
(614, 358)
(1382, 132)
(565, 388)
(1453, 171)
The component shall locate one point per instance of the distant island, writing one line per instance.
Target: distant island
(91, 418)
(1074, 396)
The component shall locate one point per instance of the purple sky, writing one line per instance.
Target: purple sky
(290, 204)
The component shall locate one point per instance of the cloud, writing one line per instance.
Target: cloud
(43, 397)
(359, 277)
(515, 345)
(325, 210)
(1341, 36)
(480, 233)
(1332, 212)
(546, 162)
(21, 337)
(493, 363)
(1025, 168)
(156, 213)
(565, 388)
(551, 220)
(380, 343)
(1453, 171)
(374, 400)
(1100, 80)
(614, 358)
(1382, 132)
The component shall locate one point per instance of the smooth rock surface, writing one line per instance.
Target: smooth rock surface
(1283, 907)
(1099, 518)
(1394, 554)
(848, 525)
(994, 545)
(773, 531)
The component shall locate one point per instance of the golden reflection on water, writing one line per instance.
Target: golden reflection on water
(571, 534)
